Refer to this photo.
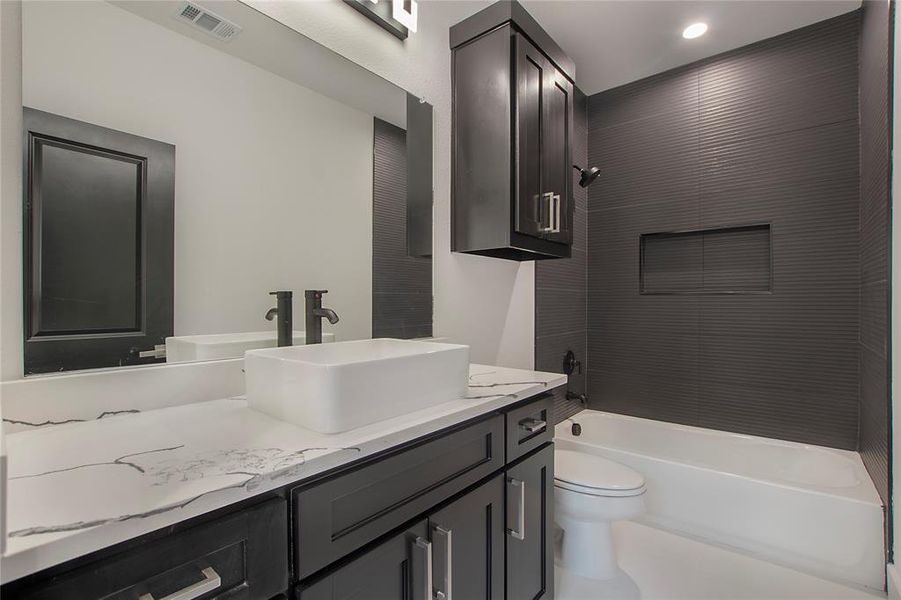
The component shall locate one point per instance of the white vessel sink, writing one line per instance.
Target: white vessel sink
(335, 387)
(188, 348)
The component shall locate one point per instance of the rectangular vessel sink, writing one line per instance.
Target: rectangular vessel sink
(187, 348)
(335, 387)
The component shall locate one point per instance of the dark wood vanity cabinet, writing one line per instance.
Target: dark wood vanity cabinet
(241, 556)
(463, 513)
(512, 137)
(457, 552)
(530, 550)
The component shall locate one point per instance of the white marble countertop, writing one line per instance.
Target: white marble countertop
(80, 487)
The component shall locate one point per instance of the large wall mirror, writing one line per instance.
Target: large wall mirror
(185, 159)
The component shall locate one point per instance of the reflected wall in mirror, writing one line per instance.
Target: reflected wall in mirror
(176, 178)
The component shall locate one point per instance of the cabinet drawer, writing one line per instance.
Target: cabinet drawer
(396, 568)
(240, 556)
(339, 516)
(529, 426)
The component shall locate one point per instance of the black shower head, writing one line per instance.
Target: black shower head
(588, 175)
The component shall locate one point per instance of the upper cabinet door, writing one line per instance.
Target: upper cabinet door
(530, 97)
(544, 100)
(556, 159)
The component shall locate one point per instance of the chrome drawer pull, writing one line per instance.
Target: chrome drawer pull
(519, 533)
(210, 582)
(533, 425)
(422, 576)
(445, 552)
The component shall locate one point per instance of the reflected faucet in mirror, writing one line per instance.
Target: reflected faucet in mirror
(284, 311)
(315, 313)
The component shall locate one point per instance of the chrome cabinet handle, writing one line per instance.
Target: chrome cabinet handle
(159, 351)
(555, 213)
(444, 544)
(532, 425)
(547, 199)
(210, 582)
(518, 532)
(422, 569)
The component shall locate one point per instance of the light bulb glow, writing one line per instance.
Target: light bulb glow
(694, 30)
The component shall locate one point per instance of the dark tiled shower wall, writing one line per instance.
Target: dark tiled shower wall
(560, 308)
(765, 135)
(401, 284)
(875, 219)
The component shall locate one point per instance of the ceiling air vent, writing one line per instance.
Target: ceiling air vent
(208, 22)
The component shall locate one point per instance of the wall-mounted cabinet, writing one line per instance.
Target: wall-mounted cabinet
(512, 137)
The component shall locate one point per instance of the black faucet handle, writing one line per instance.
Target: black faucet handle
(317, 294)
(282, 293)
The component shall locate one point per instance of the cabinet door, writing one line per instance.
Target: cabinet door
(397, 569)
(556, 159)
(531, 78)
(468, 545)
(530, 513)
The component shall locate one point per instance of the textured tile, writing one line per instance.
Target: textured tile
(763, 135)
(401, 311)
(560, 310)
(551, 349)
(651, 161)
(642, 99)
(874, 317)
(874, 419)
(562, 273)
(875, 211)
(401, 285)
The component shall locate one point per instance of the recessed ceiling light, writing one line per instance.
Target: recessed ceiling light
(694, 30)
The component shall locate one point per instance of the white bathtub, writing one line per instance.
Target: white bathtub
(807, 507)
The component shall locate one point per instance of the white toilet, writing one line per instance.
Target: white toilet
(590, 492)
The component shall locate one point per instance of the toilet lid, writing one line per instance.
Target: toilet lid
(578, 470)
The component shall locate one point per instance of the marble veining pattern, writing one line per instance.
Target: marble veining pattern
(50, 422)
(80, 486)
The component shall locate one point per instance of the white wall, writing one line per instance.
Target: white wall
(483, 302)
(10, 191)
(273, 181)
(486, 303)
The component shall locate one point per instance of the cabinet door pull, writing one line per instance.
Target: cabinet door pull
(533, 425)
(444, 540)
(519, 532)
(545, 215)
(555, 213)
(210, 582)
(422, 569)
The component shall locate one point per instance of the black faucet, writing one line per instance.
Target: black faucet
(284, 310)
(315, 314)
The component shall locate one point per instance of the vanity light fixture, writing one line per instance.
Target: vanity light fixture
(405, 12)
(695, 30)
(399, 17)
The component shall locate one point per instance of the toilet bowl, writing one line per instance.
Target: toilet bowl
(590, 492)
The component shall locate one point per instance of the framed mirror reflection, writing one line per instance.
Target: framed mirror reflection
(183, 160)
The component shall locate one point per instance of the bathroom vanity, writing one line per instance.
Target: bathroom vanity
(222, 463)
(217, 498)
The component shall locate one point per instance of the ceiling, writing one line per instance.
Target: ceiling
(616, 42)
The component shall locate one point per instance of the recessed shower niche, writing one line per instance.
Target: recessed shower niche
(723, 260)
